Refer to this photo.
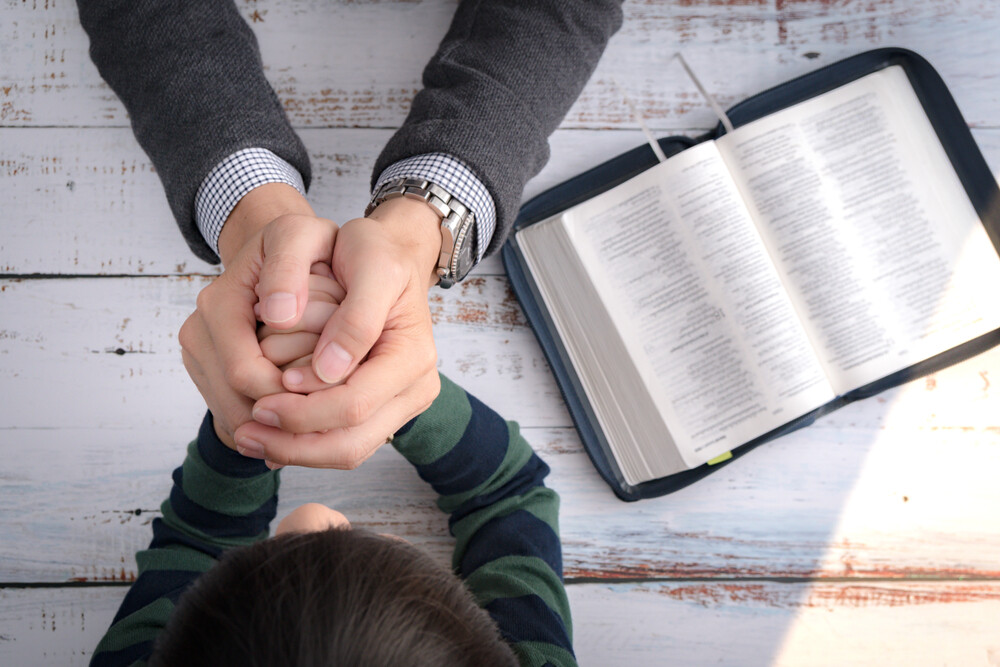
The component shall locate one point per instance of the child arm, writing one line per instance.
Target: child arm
(220, 499)
(504, 519)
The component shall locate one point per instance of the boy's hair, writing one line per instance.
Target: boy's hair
(335, 597)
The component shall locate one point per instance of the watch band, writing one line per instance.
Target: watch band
(457, 222)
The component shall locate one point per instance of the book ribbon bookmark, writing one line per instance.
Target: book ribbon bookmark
(641, 121)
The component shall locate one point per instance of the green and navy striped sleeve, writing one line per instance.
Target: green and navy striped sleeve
(504, 519)
(219, 500)
(490, 482)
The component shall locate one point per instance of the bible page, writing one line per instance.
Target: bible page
(873, 234)
(677, 261)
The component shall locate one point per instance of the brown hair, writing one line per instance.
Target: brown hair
(335, 597)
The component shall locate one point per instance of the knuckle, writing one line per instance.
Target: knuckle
(204, 299)
(191, 365)
(430, 362)
(353, 463)
(279, 457)
(239, 377)
(282, 225)
(285, 262)
(357, 410)
(359, 329)
(186, 335)
(358, 454)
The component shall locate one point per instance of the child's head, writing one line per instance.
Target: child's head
(334, 596)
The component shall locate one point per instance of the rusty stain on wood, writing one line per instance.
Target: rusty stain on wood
(612, 569)
(95, 574)
(722, 3)
(826, 596)
(884, 596)
(480, 308)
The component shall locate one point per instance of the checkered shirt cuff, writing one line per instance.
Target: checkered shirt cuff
(230, 180)
(459, 181)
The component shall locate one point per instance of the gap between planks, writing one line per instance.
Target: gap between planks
(586, 581)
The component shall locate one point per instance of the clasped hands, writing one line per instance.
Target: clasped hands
(366, 322)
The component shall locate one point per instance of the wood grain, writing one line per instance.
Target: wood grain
(869, 538)
(823, 503)
(113, 343)
(743, 624)
(311, 50)
(101, 409)
(95, 199)
(788, 625)
(102, 353)
(93, 195)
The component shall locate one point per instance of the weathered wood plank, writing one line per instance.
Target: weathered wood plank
(781, 625)
(93, 196)
(881, 488)
(739, 47)
(54, 626)
(88, 201)
(98, 351)
(901, 486)
(733, 623)
(824, 503)
(63, 339)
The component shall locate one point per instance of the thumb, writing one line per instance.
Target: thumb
(355, 326)
(291, 245)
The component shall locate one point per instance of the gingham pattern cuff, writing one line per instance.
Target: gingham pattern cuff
(458, 180)
(230, 180)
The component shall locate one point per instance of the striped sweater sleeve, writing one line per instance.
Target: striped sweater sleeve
(504, 519)
(219, 500)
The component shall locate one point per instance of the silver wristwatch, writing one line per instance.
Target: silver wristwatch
(457, 224)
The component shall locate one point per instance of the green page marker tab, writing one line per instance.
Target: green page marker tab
(720, 458)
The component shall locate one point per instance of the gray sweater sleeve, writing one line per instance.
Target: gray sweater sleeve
(190, 76)
(500, 83)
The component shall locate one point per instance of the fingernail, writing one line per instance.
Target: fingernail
(279, 307)
(294, 378)
(333, 363)
(250, 448)
(267, 418)
(273, 466)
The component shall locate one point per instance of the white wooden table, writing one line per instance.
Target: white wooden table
(871, 538)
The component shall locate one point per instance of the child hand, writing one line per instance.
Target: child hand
(293, 348)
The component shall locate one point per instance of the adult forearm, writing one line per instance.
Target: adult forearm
(190, 76)
(501, 81)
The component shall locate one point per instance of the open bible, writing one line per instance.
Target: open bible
(757, 279)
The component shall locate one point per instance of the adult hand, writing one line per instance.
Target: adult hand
(374, 367)
(267, 245)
